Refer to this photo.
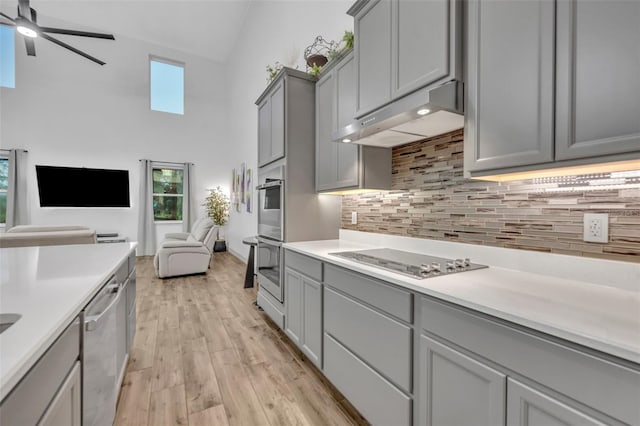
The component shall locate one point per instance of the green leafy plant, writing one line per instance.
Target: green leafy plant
(315, 70)
(217, 205)
(348, 38)
(273, 70)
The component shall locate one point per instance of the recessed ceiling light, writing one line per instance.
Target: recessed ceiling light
(423, 111)
(27, 32)
(346, 140)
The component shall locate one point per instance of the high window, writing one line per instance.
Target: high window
(4, 184)
(167, 85)
(7, 57)
(167, 194)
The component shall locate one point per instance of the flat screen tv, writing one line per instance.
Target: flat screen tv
(82, 187)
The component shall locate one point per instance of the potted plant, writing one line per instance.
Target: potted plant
(217, 205)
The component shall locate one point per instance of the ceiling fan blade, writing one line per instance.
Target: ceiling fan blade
(71, 48)
(7, 17)
(76, 33)
(24, 10)
(34, 15)
(31, 46)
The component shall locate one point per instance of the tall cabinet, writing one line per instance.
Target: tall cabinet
(551, 83)
(342, 166)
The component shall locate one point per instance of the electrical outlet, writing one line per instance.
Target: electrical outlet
(596, 227)
(354, 218)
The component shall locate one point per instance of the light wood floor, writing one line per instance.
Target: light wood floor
(204, 355)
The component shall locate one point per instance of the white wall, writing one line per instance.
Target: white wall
(67, 111)
(273, 31)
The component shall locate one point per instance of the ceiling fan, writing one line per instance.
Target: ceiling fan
(26, 24)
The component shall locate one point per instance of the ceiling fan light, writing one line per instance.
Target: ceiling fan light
(26, 31)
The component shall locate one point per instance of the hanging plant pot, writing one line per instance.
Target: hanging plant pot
(316, 59)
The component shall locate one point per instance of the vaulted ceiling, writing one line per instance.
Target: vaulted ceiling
(208, 28)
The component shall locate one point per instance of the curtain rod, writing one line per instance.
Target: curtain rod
(8, 150)
(167, 162)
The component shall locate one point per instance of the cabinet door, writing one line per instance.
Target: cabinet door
(510, 93)
(373, 55)
(347, 155)
(65, 406)
(293, 306)
(458, 390)
(528, 407)
(264, 132)
(326, 151)
(277, 121)
(312, 320)
(421, 41)
(598, 78)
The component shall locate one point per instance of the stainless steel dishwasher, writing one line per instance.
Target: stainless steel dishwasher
(100, 357)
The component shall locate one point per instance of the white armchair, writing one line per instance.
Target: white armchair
(185, 253)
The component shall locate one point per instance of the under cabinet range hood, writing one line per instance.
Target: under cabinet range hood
(424, 113)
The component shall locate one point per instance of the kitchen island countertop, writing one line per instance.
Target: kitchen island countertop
(49, 286)
(597, 316)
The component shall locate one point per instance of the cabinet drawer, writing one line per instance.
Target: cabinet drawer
(270, 307)
(304, 264)
(595, 382)
(389, 299)
(379, 401)
(28, 401)
(382, 342)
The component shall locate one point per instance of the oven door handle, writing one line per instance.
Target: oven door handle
(268, 185)
(269, 242)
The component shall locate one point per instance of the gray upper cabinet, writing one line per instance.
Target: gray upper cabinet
(597, 78)
(458, 390)
(403, 45)
(509, 84)
(341, 166)
(529, 407)
(372, 45)
(419, 27)
(271, 125)
(551, 84)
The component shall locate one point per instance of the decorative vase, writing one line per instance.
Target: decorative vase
(219, 246)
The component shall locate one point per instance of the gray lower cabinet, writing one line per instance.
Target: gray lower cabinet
(53, 379)
(529, 407)
(379, 401)
(65, 409)
(458, 390)
(303, 314)
(368, 345)
(545, 90)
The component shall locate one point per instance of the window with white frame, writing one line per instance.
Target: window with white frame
(7, 57)
(4, 184)
(166, 80)
(168, 192)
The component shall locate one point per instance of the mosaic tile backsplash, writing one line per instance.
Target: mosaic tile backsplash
(430, 198)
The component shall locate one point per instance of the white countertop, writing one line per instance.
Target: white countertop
(48, 286)
(600, 317)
